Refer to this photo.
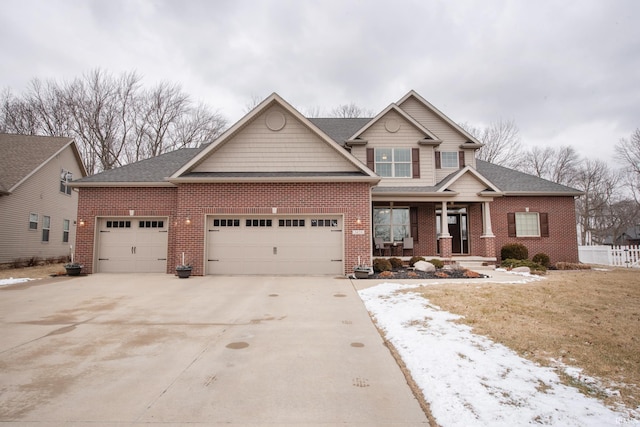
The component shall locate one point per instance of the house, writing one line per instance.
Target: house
(279, 193)
(630, 237)
(37, 205)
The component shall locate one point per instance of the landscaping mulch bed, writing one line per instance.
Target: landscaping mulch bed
(404, 273)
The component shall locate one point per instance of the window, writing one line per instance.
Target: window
(118, 224)
(258, 223)
(46, 225)
(527, 224)
(393, 162)
(226, 222)
(324, 222)
(65, 231)
(449, 159)
(33, 221)
(391, 224)
(65, 177)
(151, 224)
(291, 223)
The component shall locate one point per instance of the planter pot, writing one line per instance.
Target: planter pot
(73, 271)
(183, 273)
(361, 273)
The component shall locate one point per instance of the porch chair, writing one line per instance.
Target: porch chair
(407, 244)
(379, 243)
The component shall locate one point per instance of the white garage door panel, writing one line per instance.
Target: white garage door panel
(276, 249)
(134, 245)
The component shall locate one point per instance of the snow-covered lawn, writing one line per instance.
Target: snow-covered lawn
(468, 380)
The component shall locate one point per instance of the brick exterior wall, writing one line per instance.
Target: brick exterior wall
(195, 201)
(562, 243)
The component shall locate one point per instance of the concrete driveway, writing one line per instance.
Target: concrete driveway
(145, 349)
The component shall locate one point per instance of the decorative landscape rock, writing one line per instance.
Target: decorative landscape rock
(424, 266)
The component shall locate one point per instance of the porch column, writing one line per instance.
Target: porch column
(445, 237)
(487, 233)
(486, 220)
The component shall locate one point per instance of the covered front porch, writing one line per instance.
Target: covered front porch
(451, 231)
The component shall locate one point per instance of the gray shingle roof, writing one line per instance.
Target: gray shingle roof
(509, 180)
(339, 129)
(22, 154)
(154, 169)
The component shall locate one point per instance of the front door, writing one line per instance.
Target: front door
(458, 229)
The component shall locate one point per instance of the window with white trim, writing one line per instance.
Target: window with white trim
(391, 224)
(393, 162)
(46, 226)
(33, 221)
(449, 159)
(65, 230)
(65, 177)
(527, 224)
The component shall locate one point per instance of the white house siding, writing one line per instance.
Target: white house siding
(40, 194)
(294, 148)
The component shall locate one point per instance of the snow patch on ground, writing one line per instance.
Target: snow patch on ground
(468, 379)
(12, 281)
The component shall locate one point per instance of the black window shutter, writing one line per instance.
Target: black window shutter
(438, 163)
(413, 219)
(415, 162)
(461, 158)
(511, 224)
(371, 163)
(544, 224)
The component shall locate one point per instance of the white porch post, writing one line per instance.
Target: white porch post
(486, 220)
(444, 221)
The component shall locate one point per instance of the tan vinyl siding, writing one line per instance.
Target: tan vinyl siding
(468, 188)
(406, 137)
(39, 194)
(451, 138)
(256, 148)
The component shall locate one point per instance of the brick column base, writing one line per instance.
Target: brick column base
(489, 246)
(445, 246)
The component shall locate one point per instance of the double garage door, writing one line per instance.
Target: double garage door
(128, 245)
(302, 245)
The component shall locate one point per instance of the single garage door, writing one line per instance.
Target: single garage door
(132, 245)
(302, 245)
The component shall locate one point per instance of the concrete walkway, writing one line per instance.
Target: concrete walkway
(153, 349)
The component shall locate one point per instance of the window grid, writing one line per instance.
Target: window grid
(291, 223)
(46, 226)
(393, 163)
(118, 224)
(151, 224)
(391, 224)
(259, 223)
(221, 222)
(324, 222)
(527, 224)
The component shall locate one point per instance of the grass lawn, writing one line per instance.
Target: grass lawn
(586, 319)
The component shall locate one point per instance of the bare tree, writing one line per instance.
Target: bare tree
(555, 164)
(628, 152)
(350, 111)
(594, 208)
(113, 119)
(501, 139)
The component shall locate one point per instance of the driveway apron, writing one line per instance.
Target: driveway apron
(245, 351)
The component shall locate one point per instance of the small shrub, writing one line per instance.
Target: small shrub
(571, 266)
(436, 263)
(542, 259)
(381, 264)
(395, 262)
(513, 263)
(386, 274)
(415, 259)
(514, 251)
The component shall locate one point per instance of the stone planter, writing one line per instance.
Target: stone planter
(183, 273)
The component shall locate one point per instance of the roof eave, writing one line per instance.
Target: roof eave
(544, 193)
(78, 184)
(204, 180)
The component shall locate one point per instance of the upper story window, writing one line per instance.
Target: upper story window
(65, 178)
(33, 221)
(393, 162)
(450, 159)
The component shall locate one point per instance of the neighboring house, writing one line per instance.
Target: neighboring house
(278, 193)
(630, 237)
(37, 206)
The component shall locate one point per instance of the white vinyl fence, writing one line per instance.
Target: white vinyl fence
(618, 256)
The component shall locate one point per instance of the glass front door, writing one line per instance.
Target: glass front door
(458, 228)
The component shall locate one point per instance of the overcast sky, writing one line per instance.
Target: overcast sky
(567, 72)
